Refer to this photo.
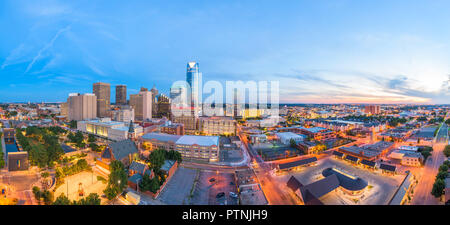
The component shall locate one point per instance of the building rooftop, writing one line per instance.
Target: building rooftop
(138, 166)
(347, 181)
(122, 149)
(168, 164)
(300, 162)
(198, 140)
(161, 137)
(289, 135)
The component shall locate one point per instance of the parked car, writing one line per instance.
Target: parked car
(234, 195)
(231, 183)
(212, 179)
(220, 195)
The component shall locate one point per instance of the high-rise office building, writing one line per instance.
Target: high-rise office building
(121, 95)
(154, 100)
(163, 104)
(142, 105)
(103, 93)
(194, 79)
(64, 110)
(82, 107)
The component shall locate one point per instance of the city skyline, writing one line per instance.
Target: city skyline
(319, 52)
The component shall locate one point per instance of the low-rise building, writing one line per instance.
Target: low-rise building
(286, 137)
(104, 127)
(124, 151)
(173, 128)
(204, 148)
(217, 125)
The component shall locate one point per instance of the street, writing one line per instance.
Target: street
(422, 195)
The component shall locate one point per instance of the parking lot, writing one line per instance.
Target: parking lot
(177, 191)
(210, 184)
(380, 190)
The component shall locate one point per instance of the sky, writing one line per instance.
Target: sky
(340, 51)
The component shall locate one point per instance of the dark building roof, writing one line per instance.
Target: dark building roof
(135, 178)
(122, 149)
(351, 158)
(308, 196)
(294, 184)
(168, 164)
(297, 163)
(368, 163)
(388, 167)
(336, 153)
(309, 199)
(320, 187)
(345, 181)
(138, 167)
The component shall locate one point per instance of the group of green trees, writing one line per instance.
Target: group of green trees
(91, 199)
(447, 151)
(43, 195)
(92, 143)
(77, 139)
(425, 151)
(394, 121)
(117, 180)
(42, 145)
(61, 172)
(447, 122)
(73, 124)
(156, 159)
(439, 183)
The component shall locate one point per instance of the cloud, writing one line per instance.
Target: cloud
(15, 55)
(46, 47)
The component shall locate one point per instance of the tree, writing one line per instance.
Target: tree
(157, 158)
(91, 138)
(79, 140)
(117, 180)
(145, 184)
(438, 188)
(447, 121)
(447, 151)
(37, 193)
(62, 200)
(73, 124)
(441, 175)
(173, 155)
(94, 147)
(38, 155)
(154, 185)
(443, 168)
(91, 199)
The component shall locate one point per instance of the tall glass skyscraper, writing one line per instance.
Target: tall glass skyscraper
(194, 79)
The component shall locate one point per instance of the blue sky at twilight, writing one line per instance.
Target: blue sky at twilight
(341, 51)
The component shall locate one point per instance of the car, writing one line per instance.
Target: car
(220, 195)
(212, 179)
(231, 183)
(234, 195)
(3, 191)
